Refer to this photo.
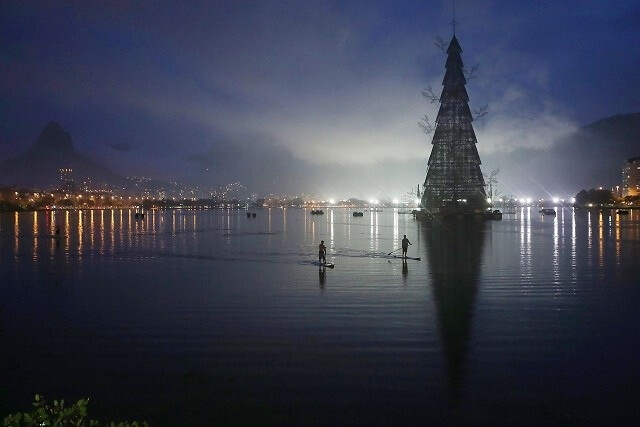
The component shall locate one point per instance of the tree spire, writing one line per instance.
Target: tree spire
(454, 22)
(453, 176)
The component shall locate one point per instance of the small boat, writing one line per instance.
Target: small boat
(622, 212)
(358, 214)
(317, 212)
(548, 211)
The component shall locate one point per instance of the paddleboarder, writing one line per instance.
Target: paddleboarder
(405, 246)
(322, 253)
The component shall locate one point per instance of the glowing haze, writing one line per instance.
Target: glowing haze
(322, 97)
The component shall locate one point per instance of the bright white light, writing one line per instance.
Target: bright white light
(372, 201)
(556, 200)
(417, 201)
(332, 201)
(488, 199)
(528, 200)
(375, 202)
(573, 200)
(395, 201)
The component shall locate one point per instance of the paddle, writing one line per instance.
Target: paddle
(393, 251)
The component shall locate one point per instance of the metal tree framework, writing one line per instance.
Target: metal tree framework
(454, 180)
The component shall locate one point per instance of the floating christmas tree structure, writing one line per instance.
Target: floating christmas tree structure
(454, 182)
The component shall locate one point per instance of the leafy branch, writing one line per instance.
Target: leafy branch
(479, 113)
(441, 44)
(425, 124)
(471, 73)
(59, 415)
(428, 94)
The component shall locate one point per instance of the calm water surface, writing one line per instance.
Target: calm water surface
(210, 317)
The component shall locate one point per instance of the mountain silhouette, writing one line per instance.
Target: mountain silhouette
(590, 157)
(40, 166)
(55, 138)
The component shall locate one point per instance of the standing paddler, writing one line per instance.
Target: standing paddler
(405, 246)
(322, 253)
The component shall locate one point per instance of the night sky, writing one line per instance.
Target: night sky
(213, 92)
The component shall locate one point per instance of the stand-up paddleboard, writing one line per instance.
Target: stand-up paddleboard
(328, 265)
(407, 257)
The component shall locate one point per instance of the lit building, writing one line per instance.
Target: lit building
(66, 180)
(631, 177)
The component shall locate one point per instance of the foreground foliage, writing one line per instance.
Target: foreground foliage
(57, 415)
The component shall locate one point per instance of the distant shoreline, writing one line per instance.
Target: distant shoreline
(198, 208)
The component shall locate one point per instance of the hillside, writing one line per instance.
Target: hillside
(588, 158)
(53, 150)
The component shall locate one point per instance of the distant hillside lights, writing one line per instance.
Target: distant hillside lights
(631, 177)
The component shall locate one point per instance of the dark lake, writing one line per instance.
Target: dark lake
(210, 317)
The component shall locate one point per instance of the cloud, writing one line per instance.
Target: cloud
(505, 133)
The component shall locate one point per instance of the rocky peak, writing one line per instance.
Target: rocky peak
(53, 136)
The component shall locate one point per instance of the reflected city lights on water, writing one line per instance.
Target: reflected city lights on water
(269, 221)
(16, 233)
(90, 233)
(91, 227)
(80, 233)
(617, 240)
(34, 252)
(556, 249)
(396, 231)
(331, 232)
(601, 238)
(589, 237)
(112, 229)
(375, 243)
(525, 241)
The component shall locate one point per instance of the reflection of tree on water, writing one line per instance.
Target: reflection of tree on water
(454, 251)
